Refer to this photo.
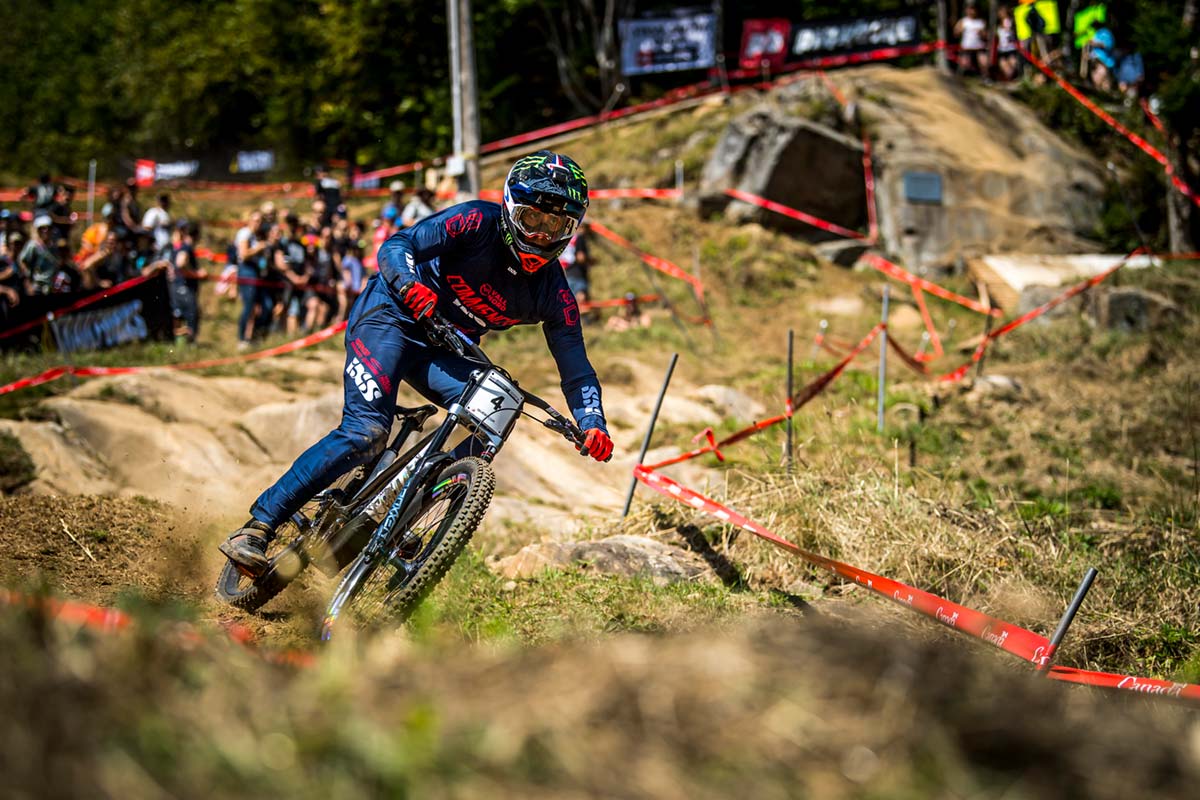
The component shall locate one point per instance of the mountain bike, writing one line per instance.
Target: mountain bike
(395, 525)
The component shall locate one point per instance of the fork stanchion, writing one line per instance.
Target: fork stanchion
(1068, 616)
(662, 393)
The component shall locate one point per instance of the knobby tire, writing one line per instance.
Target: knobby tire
(250, 594)
(435, 555)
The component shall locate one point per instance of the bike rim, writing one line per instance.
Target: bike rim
(382, 587)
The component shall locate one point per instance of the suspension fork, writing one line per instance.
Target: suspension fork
(400, 511)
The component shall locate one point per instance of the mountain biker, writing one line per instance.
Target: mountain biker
(484, 266)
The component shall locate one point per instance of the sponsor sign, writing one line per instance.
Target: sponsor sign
(865, 33)
(94, 330)
(668, 44)
(143, 172)
(1036, 17)
(253, 161)
(172, 170)
(764, 40)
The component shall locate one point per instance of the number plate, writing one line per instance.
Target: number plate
(495, 404)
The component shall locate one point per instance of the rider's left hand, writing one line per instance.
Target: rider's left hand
(597, 444)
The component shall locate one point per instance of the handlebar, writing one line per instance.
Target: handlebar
(441, 331)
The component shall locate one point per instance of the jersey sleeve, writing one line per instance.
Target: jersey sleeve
(560, 322)
(431, 237)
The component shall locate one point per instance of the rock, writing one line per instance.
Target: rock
(791, 160)
(1129, 309)
(997, 387)
(843, 252)
(729, 402)
(629, 556)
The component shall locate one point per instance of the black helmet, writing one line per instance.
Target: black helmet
(545, 198)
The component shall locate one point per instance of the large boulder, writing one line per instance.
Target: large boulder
(791, 160)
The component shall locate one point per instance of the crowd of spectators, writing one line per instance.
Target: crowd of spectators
(293, 270)
(995, 55)
(45, 257)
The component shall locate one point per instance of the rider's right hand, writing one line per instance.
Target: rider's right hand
(419, 298)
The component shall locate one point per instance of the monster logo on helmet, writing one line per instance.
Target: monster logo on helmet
(545, 198)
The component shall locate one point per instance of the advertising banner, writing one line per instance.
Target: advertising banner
(764, 40)
(253, 161)
(668, 44)
(1036, 16)
(841, 36)
(143, 172)
(173, 170)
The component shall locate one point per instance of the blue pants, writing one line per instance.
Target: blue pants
(248, 293)
(382, 349)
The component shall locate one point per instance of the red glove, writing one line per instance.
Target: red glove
(597, 444)
(419, 298)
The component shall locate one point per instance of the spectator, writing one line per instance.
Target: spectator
(290, 265)
(42, 195)
(66, 277)
(129, 213)
(354, 279)
(329, 191)
(12, 283)
(972, 30)
(251, 249)
(631, 316)
(60, 212)
(320, 293)
(418, 208)
(269, 215)
(391, 209)
(10, 231)
(1008, 59)
(158, 221)
(38, 260)
(111, 264)
(576, 260)
(183, 274)
(1102, 56)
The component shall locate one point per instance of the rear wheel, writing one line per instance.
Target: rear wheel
(287, 562)
(389, 584)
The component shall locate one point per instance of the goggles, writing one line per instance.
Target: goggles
(537, 224)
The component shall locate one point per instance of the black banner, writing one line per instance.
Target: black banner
(142, 312)
(848, 35)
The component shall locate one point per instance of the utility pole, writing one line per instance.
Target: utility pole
(942, 33)
(464, 96)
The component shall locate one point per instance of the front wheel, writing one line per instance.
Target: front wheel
(391, 582)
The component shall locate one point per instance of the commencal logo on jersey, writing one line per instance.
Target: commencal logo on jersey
(475, 306)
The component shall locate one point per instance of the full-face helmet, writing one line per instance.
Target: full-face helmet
(545, 198)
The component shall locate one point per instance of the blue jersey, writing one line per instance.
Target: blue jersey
(461, 255)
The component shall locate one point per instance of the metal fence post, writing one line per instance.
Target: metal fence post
(883, 333)
(662, 393)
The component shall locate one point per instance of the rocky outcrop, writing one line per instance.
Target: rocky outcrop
(791, 160)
